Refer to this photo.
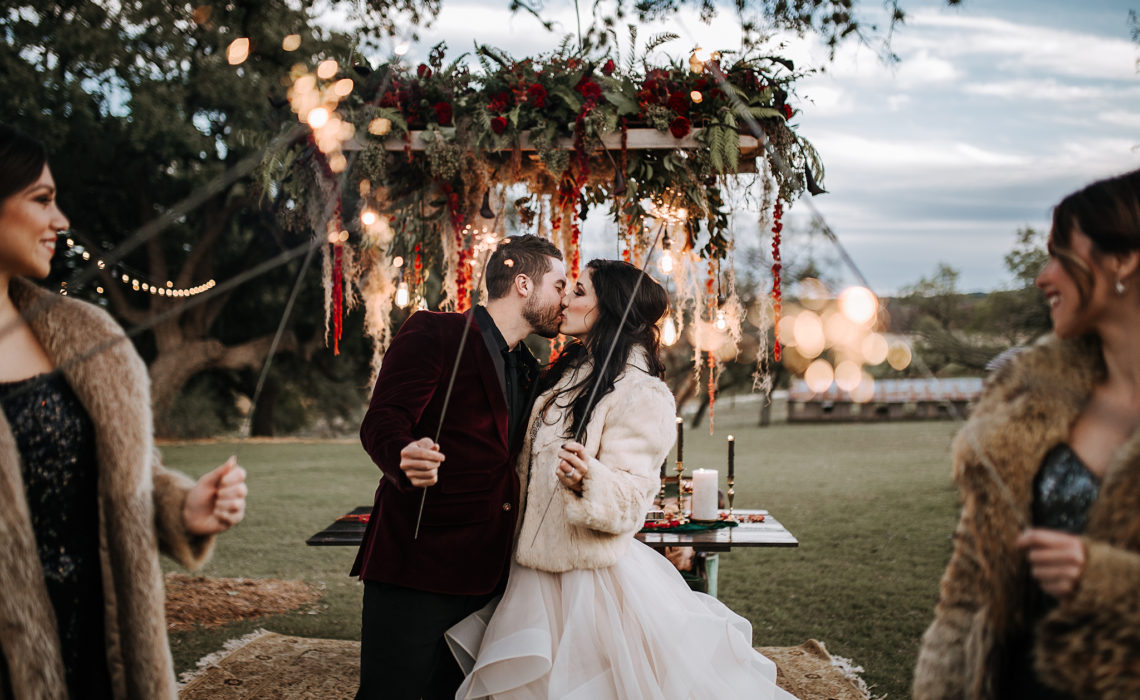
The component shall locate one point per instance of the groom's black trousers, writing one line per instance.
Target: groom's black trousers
(403, 655)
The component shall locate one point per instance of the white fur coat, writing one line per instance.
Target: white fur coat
(140, 510)
(628, 435)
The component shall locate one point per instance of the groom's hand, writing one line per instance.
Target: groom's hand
(420, 462)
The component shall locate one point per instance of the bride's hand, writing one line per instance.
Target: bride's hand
(572, 466)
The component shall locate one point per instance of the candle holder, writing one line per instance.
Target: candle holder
(731, 495)
(661, 493)
(681, 518)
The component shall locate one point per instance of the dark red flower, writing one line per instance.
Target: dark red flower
(788, 111)
(679, 102)
(536, 95)
(608, 68)
(701, 84)
(423, 71)
(499, 125)
(442, 113)
(500, 102)
(589, 90)
(679, 127)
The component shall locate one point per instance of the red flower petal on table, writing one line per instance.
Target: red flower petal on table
(608, 68)
(423, 72)
(442, 113)
(536, 95)
(499, 125)
(679, 103)
(679, 127)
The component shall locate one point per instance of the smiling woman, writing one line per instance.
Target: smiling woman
(1048, 611)
(83, 494)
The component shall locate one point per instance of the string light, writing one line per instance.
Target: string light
(138, 283)
(403, 297)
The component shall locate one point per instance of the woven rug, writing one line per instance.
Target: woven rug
(270, 666)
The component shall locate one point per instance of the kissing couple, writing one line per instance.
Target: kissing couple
(462, 598)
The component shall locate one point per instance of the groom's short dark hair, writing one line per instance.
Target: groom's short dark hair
(518, 255)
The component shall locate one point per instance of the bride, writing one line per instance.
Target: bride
(589, 612)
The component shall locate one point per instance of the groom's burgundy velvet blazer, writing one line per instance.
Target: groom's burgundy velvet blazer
(464, 544)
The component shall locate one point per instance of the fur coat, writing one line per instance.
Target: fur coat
(630, 431)
(1089, 646)
(140, 510)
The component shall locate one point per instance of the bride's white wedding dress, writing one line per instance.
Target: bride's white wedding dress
(628, 631)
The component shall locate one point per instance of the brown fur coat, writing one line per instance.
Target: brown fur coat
(140, 510)
(1089, 645)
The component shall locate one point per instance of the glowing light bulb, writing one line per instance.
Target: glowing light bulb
(397, 262)
(368, 217)
(721, 322)
(326, 69)
(318, 117)
(669, 332)
(401, 48)
(665, 264)
(403, 298)
(291, 42)
(696, 96)
(237, 51)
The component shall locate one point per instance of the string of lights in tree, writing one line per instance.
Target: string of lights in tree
(132, 280)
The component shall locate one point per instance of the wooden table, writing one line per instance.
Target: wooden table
(349, 530)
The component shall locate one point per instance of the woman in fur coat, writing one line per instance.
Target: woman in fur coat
(589, 612)
(85, 502)
(1041, 598)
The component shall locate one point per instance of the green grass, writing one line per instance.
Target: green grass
(871, 504)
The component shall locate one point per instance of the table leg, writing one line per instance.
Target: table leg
(712, 563)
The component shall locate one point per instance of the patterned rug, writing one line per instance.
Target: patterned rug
(270, 666)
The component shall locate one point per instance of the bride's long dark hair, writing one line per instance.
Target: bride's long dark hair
(614, 282)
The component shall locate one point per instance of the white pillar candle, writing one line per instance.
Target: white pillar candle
(704, 494)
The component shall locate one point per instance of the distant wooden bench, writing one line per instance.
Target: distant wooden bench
(893, 399)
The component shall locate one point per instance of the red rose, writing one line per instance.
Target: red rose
(442, 113)
(499, 125)
(536, 95)
(788, 111)
(423, 71)
(500, 101)
(701, 84)
(679, 102)
(589, 90)
(679, 127)
(608, 68)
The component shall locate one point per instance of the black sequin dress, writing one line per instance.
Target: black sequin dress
(56, 441)
(1063, 494)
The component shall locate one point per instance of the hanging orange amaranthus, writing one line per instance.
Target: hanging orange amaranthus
(462, 271)
(567, 197)
(777, 295)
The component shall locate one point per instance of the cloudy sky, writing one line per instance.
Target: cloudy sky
(995, 111)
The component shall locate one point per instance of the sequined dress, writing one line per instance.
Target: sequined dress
(56, 441)
(1063, 494)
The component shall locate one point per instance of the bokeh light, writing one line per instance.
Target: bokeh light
(326, 69)
(291, 42)
(858, 304)
(819, 375)
(874, 349)
(899, 356)
(238, 51)
(848, 375)
(808, 334)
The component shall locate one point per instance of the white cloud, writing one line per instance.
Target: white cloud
(1056, 51)
(1048, 89)
(1130, 120)
(897, 102)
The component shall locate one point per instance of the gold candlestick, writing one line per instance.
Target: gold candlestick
(680, 469)
(731, 473)
(661, 493)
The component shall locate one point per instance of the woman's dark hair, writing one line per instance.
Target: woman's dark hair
(614, 282)
(22, 160)
(1108, 212)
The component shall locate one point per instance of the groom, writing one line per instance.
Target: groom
(417, 587)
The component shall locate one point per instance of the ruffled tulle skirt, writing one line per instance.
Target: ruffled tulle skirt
(629, 631)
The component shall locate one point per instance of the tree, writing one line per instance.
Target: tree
(141, 108)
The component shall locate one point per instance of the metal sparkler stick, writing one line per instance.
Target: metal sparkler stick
(487, 249)
(609, 354)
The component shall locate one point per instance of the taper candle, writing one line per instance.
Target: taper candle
(680, 439)
(731, 456)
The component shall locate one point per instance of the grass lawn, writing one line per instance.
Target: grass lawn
(871, 504)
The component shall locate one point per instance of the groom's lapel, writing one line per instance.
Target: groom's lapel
(489, 377)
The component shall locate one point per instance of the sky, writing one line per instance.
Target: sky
(994, 112)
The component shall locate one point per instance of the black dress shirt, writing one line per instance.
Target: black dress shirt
(517, 370)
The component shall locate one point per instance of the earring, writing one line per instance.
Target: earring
(1119, 288)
